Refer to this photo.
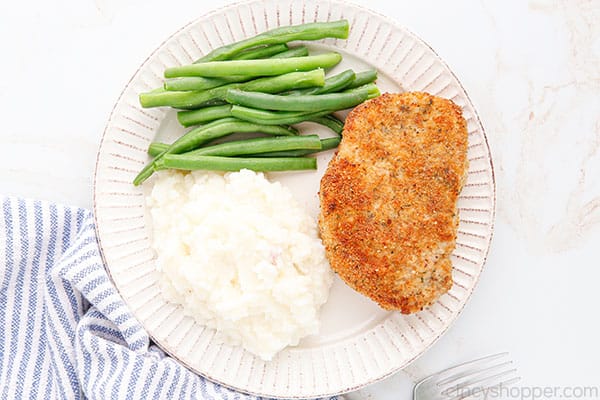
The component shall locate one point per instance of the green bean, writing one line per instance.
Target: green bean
(330, 143)
(254, 146)
(326, 144)
(362, 78)
(208, 132)
(267, 117)
(203, 115)
(310, 31)
(329, 121)
(187, 99)
(189, 83)
(215, 163)
(266, 67)
(280, 83)
(259, 52)
(202, 83)
(223, 127)
(272, 84)
(306, 103)
(332, 84)
(299, 51)
(371, 88)
(178, 99)
(156, 148)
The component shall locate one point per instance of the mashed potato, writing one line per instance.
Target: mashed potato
(241, 256)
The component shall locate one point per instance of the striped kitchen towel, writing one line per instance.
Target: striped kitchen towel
(65, 333)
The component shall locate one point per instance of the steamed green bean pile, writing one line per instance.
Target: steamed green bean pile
(262, 85)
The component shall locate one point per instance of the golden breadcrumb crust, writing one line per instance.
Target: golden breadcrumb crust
(388, 199)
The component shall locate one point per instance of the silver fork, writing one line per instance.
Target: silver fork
(473, 378)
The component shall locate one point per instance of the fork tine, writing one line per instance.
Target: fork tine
(472, 393)
(462, 372)
(465, 385)
(470, 372)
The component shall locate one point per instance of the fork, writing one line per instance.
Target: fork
(472, 378)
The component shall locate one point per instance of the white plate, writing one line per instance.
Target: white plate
(359, 343)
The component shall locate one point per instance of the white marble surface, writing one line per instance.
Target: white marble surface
(532, 70)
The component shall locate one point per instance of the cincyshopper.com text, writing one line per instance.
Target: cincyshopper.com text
(526, 392)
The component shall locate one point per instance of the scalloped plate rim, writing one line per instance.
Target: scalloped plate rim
(396, 26)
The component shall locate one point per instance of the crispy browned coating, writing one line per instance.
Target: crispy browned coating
(388, 199)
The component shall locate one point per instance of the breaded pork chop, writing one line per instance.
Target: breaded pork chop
(388, 199)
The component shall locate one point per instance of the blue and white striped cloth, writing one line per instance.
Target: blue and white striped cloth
(65, 333)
